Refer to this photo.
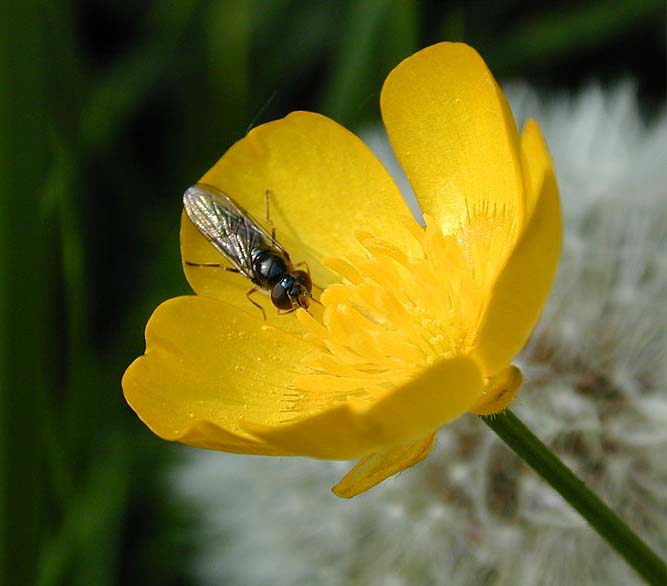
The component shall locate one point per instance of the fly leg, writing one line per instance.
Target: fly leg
(211, 264)
(267, 195)
(303, 263)
(257, 305)
(231, 270)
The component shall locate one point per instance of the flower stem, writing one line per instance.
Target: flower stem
(608, 525)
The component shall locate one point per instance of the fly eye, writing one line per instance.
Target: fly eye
(304, 279)
(279, 297)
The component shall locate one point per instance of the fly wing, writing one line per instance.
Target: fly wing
(227, 226)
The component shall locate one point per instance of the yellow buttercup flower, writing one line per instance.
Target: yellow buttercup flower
(417, 324)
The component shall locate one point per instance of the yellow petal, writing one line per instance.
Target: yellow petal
(499, 391)
(536, 163)
(325, 185)
(209, 368)
(454, 135)
(373, 469)
(523, 285)
(359, 427)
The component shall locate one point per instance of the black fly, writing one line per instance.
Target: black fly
(254, 252)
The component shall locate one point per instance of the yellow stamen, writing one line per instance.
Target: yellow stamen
(393, 315)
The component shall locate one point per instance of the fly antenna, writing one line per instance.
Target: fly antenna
(261, 111)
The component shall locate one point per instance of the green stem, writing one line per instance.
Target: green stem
(608, 525)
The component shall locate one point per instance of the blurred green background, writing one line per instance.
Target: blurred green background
(108, 111)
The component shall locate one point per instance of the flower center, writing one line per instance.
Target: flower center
(393, 314)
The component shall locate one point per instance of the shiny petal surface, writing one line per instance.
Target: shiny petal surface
(454, 135)
(535, 163)
(324, 185)
(373, 469)
(524, 283)
(208, 369)
(359, 427)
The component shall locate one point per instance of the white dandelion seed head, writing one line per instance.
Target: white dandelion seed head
(595, 390)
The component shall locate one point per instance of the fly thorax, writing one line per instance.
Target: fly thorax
(270, 267)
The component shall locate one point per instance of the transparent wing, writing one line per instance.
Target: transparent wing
(227, 226)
